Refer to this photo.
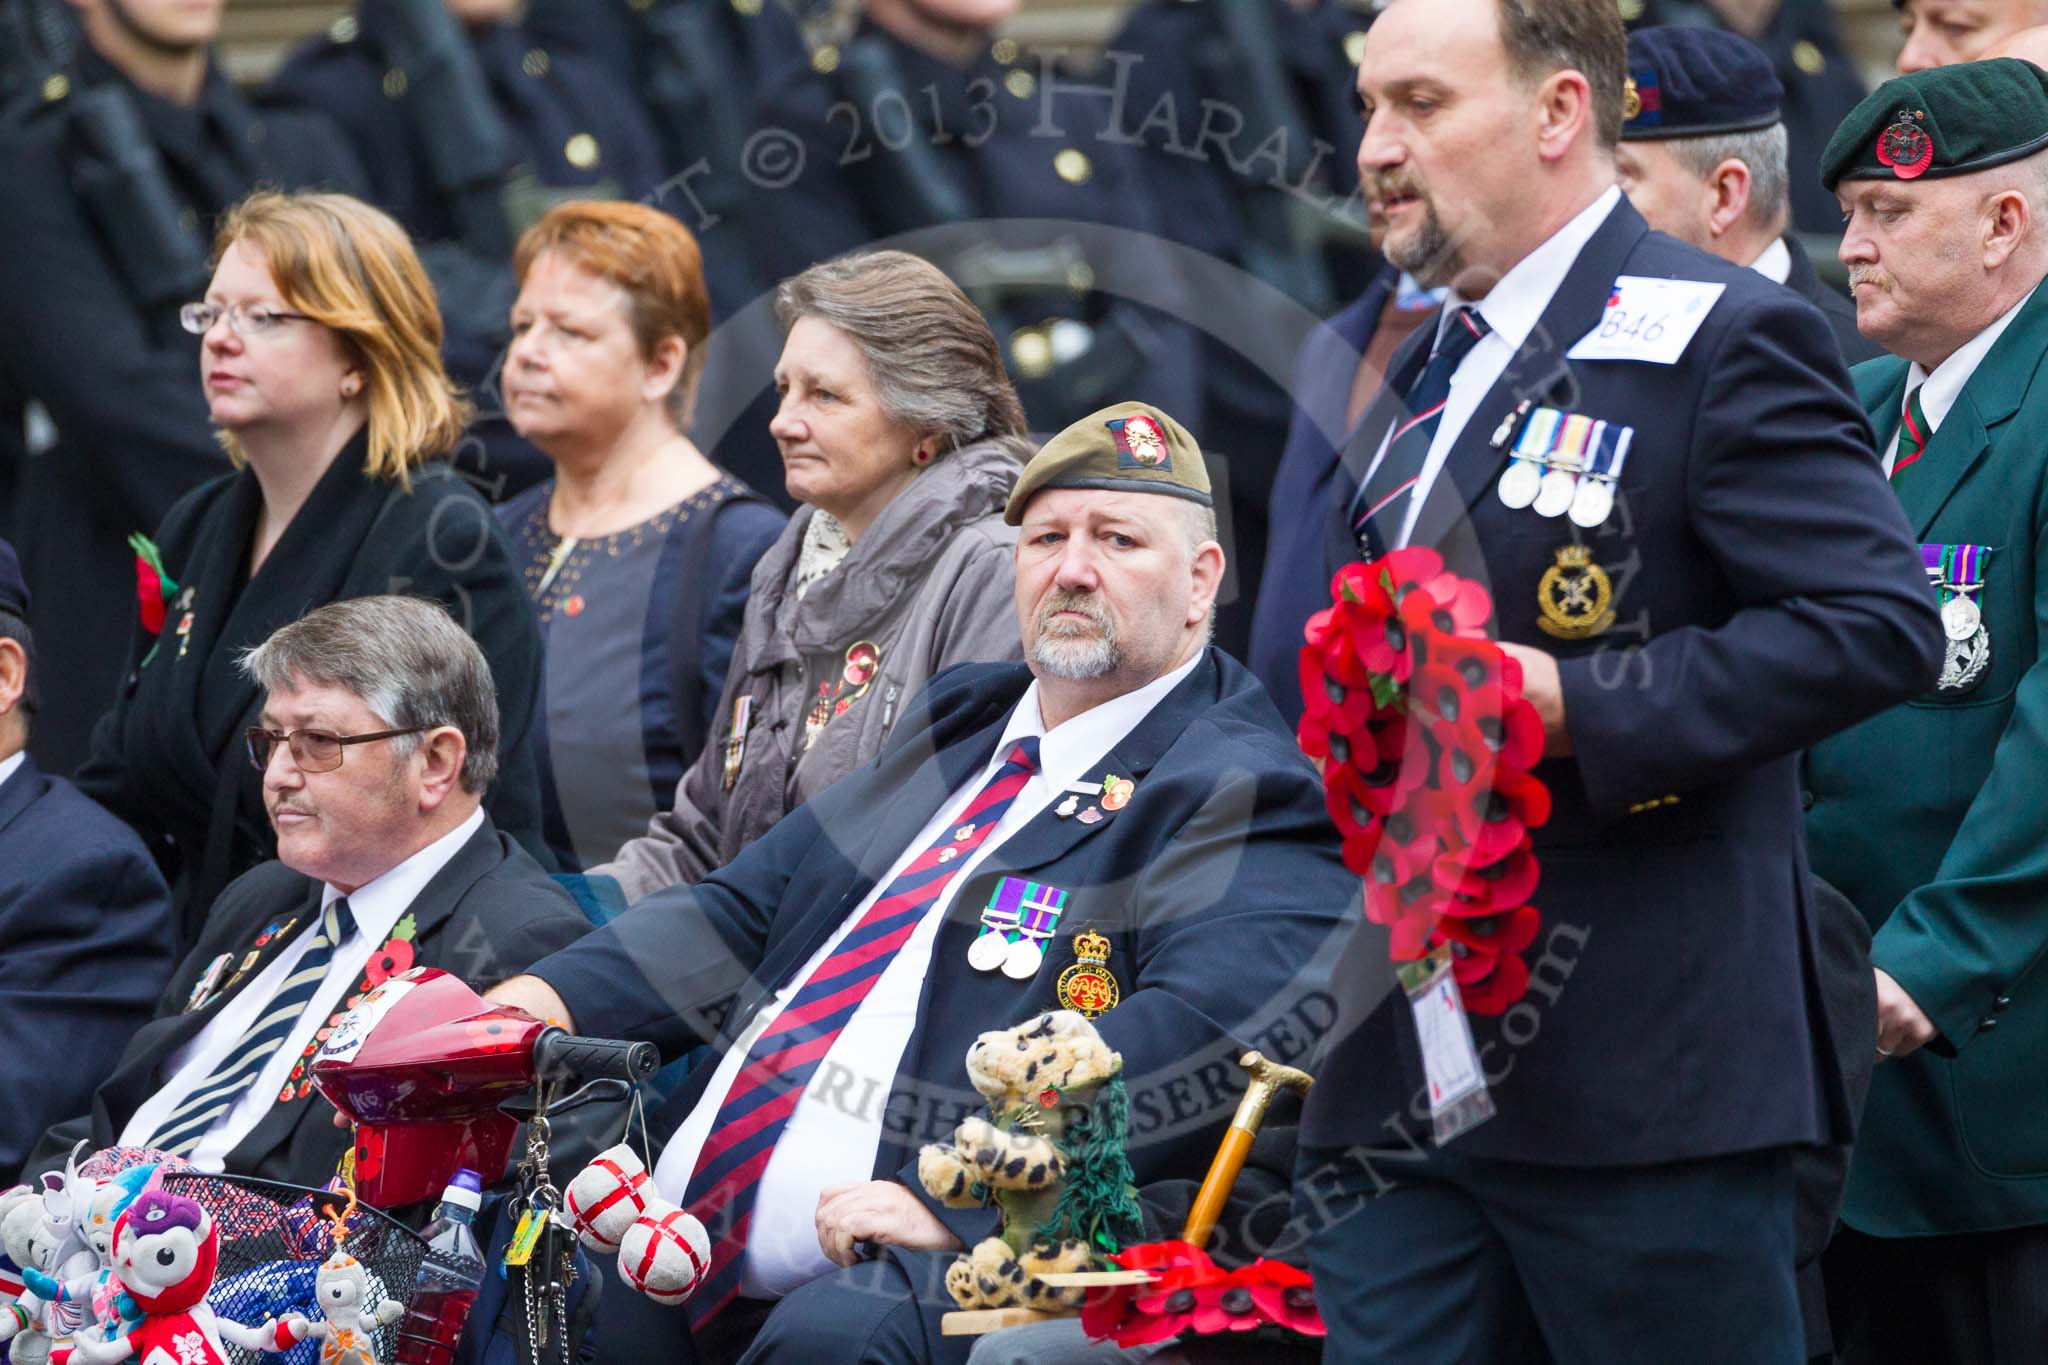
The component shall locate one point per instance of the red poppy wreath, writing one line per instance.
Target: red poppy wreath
(1425, 743)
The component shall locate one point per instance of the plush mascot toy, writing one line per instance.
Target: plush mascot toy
(111, 1312)
(348, 1335)
(663, 1250)
(166, 1249)
(47, 1238)
(1053, 1160)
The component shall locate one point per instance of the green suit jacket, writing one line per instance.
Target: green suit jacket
(1933, 818)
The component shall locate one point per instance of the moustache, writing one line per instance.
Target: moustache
(1864, 274)
(1083, 604)
(1384, 185)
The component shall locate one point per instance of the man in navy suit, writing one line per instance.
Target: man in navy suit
(1140, 786)
(1654, 460)
(86, 935)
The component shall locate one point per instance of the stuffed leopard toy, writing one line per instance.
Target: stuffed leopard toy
(1053, 1160)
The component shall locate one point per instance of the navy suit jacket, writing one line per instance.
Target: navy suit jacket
(1218, 886)
(1767, 592)
(85, 920)
(1295, 585)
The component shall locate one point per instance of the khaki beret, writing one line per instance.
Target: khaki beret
(1128, 447)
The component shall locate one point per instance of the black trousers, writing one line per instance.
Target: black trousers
(1449, 1258)
(1972, 1299)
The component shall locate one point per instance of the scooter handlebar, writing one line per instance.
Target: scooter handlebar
(563, 1057)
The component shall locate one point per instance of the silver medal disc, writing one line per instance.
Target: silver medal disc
(1021, 962)
(1960, 617)
(987, 952)
(1555, 494)
(1592, 502)
(1519, 484)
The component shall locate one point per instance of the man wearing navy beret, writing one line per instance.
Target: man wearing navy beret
(85, 918)
(1703, 157)
(1928, 816)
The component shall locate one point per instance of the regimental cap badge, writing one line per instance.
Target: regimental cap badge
(1140, 443)
(1631, 100)
(1087, 987)
(1905, 146)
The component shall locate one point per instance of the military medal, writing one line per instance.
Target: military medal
(1575, 596)
(1087, 987)
(1020, 917)
(1594, 498)
(863, 661)
(736, 739)
(1957, 573)
(1905, 146)
(203, 988)
(1524, 474)
(1554, 491)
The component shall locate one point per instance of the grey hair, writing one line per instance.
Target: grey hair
(405, 658)
(935, 364)
(1764, 151)
(1201, 526)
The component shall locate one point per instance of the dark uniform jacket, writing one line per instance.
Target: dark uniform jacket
(1765, 593)
(87, 925)
(170, 757)
(1218, 886)
(1927, 817)
(92, 296)
(484, 916)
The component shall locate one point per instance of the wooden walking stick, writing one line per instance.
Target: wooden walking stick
(1268, 1079)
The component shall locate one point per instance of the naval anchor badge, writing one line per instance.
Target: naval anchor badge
(1087, 987)
(1575, 596)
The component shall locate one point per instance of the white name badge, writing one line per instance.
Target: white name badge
(1648, 320)
(1458, 1098)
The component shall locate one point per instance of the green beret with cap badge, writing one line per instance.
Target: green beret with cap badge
(1128, 447)
(1950, 120)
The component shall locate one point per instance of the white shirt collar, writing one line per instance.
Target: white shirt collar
(1775, 264)
(380, 903)
(1939, 390)
(1066, 750)
(10, 766)
(1513, 307)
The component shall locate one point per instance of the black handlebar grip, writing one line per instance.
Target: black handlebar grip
(559, 1056)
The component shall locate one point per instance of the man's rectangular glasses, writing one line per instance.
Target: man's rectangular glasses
(315, 751)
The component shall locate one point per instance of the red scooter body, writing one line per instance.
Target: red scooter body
(421, 1065)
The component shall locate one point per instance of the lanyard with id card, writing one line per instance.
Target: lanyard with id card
(1458, 1098)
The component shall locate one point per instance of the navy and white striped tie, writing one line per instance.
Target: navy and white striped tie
(182, 1129)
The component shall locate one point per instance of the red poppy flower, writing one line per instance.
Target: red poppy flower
(1463, 759)
(1406, 569)
(1224, 1307)
(1327, 698)
(1515, 735)
(1463, 607)
(394, 957)
(1486, 888)
(1408, 937)
(1488, 984)
(1384, 643)
(1138, 1314)
(1284, 1294)
(1495, 935)
(1493, 818)
(369, 1152)
(1363, 585)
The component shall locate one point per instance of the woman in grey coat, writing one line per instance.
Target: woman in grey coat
(901, 435)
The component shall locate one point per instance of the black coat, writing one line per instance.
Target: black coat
(87, 925)
(101, 351)
(1840, 311)
(1766, 593)
(484, 916)
(170, 759)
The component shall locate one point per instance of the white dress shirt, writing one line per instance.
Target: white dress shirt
(836, 1128)
(1775, 264)
(11, 765)
(376, 906)
(1512, 308)
(1939, 390)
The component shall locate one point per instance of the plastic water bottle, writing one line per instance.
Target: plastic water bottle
(450, 1274)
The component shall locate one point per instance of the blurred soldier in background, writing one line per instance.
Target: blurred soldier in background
(135, 143)
(1819, 76)
(470, 129)
(1948, 32)
(696, 67)
(1247, 121)
(1703, 157)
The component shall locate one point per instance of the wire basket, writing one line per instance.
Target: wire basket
(273, 1238)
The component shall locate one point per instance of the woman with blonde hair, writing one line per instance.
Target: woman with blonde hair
(639, 550)
(320, 360)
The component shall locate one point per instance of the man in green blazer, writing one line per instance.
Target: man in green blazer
(1930, 816)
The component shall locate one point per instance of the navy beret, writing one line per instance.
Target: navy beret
(1690, 81)
(13, 587)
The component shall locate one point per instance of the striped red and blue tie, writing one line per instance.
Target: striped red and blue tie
(1408, 448)
(765, 1092)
